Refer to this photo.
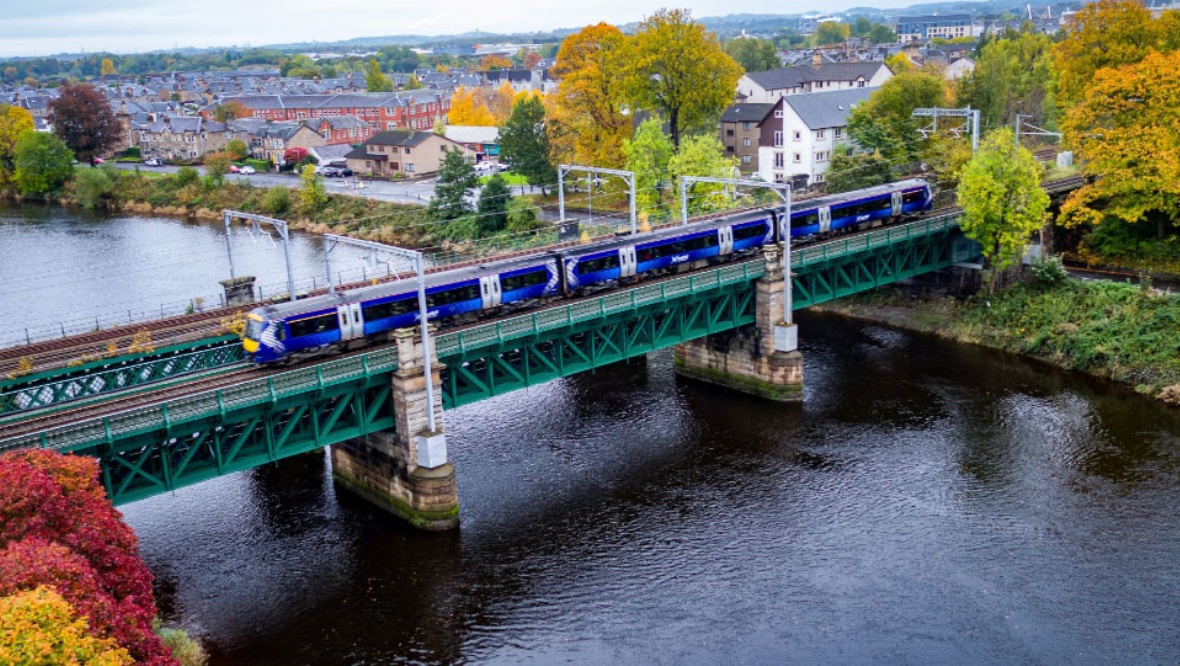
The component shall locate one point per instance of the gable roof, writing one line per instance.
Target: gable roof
(827, 109)
(399, 138)
(793, 77)
(737, 113)
(472, 134)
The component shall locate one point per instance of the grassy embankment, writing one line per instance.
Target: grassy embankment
(1124, 332)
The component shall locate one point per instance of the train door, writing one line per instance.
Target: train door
(627, 261)
(489, 291)
(896, 204)
(825, 219)
(351, 324)
(725, 236)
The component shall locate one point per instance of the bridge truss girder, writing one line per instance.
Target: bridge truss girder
(156, 461)
(850, 274)
(515, 364)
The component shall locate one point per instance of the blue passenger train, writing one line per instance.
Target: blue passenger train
(290, 332)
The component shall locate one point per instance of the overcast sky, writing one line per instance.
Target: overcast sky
(45, 27)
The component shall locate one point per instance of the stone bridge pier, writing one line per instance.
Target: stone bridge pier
(406, 471)
(761, 359)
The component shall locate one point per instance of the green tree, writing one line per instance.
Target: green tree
(237, 149)
(1013, 74)
(92, 187)
(301, 67)
(754, 55)
(883, 123)
(375, 80)
(494, 199)
(678, 68)
(187, 175)
(1002, 199)
(456, 179)
(217, 166)
(856, 171)
(412, 83)
(312, 196)
(524, 142)
(862, 27)
(702, 155)
(830, 32)
(647, 155)
(881, 34)
(42, 163)
(277, 200)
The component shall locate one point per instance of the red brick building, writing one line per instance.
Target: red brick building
(412, 109)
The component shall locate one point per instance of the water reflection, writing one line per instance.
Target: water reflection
(929, 502)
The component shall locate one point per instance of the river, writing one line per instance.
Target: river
(929, 502)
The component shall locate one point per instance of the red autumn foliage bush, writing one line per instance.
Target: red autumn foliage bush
(57, 528)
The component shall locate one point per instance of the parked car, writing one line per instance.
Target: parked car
(247, 170)
(337, 172)
(233, 168)
(97, 160)
(153, 161)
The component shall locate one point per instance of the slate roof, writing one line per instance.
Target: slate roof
(398, 138)
(362, 154)
(738, 113)
(793, 77)
(827, 109)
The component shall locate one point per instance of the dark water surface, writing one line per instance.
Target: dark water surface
(929, 503)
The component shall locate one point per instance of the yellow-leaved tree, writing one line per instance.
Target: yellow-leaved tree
(1127, 129)
(584, 115)
(675, 66)
(13, 121)
(467, 110)
(40, 627)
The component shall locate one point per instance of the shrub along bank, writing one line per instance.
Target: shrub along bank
(1121, 331)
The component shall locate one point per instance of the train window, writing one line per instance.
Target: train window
(253, 329)
(808, 220)
(912, 197)
(677, 247)
(313, 325)
(600, 264)
(751, 231)
(530, 279)
(452, 295)
(389, 309)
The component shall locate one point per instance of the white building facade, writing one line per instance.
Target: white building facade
(812, 126)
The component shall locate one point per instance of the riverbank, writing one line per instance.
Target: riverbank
(1118, 331)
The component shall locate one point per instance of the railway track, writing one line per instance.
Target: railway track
(110, 343)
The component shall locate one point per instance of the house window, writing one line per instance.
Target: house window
(838, 132)
(390, 126)
(409, 168)
(442, 148)
(352, 132)
(819, 134)
(407, 151)
(745, 159)
(798, 158)
(746, 143)
(860, 84)
(778, 113)
(821, 156)
(819, 178)
(746, 125)
(778, 138)
(778, 160)
(728, 132)
(729, 149)
(798, 136)
(327, 134)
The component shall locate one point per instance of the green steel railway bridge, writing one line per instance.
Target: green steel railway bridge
(164, 420)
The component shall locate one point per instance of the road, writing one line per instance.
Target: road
(415, 192)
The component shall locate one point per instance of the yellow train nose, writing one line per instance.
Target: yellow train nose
(251, 346)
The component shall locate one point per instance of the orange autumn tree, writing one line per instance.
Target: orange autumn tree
(1127, 130)
(586, 120)
(499, 102)
(466, 109)
(38, 626)
(1108, 33)
(494, 61)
